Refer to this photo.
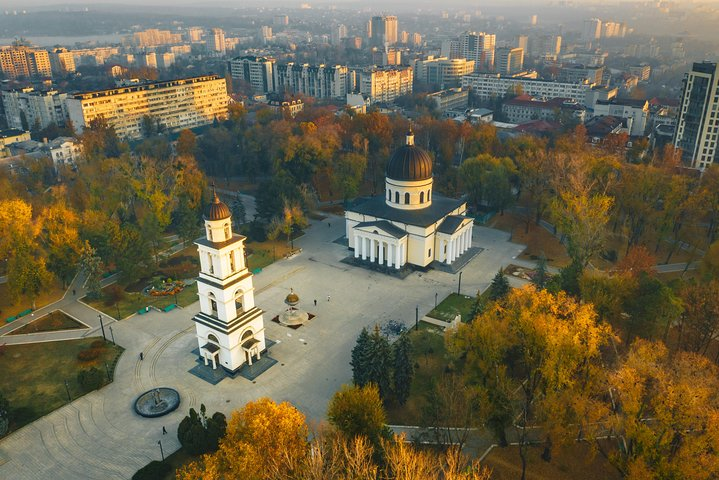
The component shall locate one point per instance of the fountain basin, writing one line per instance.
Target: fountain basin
(157, 402)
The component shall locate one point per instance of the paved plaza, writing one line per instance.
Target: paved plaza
(100, 437)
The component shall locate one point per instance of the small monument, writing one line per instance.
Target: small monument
(293, 316)
(157, 402)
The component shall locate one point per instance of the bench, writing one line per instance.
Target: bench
(169, 307)
(256, 271)
(11, 319)
(25, 312)
(143, 310)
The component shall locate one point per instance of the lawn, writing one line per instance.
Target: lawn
(9, 308)
(568, 462)
(262, 254)
(452, 306)
(34, 375)
(51, 322)
(430, 364)
(133, 301)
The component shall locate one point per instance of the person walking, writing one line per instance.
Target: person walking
(73, 292)
(164, 431)
(328, 298)
(142, 356)
(315, 302)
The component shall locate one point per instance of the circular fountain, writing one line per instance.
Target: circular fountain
(157, 402)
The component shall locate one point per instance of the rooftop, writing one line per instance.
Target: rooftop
(440, 208)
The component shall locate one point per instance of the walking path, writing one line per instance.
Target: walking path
(100, 437)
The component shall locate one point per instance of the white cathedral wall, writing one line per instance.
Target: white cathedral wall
(232, 358)
(225, 299)
(413, 188)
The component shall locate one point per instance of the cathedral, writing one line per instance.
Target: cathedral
(229, 327)
(409, 224)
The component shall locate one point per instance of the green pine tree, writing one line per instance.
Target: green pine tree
(540, 275)
(403, 369)
(380, 362)
(499, 288)
(478, 306)
(360, 357)
(239, 214)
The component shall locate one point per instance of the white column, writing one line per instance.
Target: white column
(450, 245)
(396, 256)
(371, 250)
(357, 246)
(381, 253)
(364, 249)
(390, 256)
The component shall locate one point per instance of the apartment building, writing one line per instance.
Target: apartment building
(445, 72)
(257, 71)
(478, 46)
(637, 110)
(698, 123)
(62, 61)
(22, 61)
(452, 100)
(488, 86)
(27, 108)
(509, 60)
(386, 84)
(175, 104)
(525, 108)
(153, 37)
(319, 81)
(383, 30)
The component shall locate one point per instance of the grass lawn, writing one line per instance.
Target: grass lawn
(135, 301)
(568, 462)
(51, 322)
(34, 375)
(430, 363)
(9, 308)
(262, 254)
(453, 305)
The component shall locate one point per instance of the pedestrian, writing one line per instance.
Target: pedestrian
(328, 298)
(329, 225)
(73, 292)
(164, 432)
(315, 302)
(142, 356)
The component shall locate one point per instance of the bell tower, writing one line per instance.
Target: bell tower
(229, 327)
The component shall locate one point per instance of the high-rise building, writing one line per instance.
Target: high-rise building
(339, 33)
(174, 104)
(450, 49)
(22, 61)
(592, 30)
(387, 56)
(280, 20)
(383, 30)
(533, 20)
(321, 81)
(404, 37)
(165, 60)
(265, 33)
(478, 46)
(509, 60)
(194, 34)
(256, 71)
(386, 84)
(153, 37)
(523, 42)
(148, 60)
(216, 42)
(546, 46)
(416, 40)
(62, 61)
(445, 72)
(26, 108)
(698, 123)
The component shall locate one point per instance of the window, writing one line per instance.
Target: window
(421, 197)
(227, 231)
(238, 301)
(429, 253)
(209, 262)
(396, 197)
(389, 195)
(406, 198)
(232, 261)
(209, 233)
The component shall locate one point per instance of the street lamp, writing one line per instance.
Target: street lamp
(118, 311)
(162, 454)
(435, 299)
(175, 294)
(102, 327)
(459, 286)
(112, 335)
(67, 389)
(107, 369)
(416, 318)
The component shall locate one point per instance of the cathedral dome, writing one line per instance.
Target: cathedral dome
(409, 163)
(217, 210)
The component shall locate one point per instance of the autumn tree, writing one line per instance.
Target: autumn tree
(699, 323)
(533, 355)
(91, 267)
(186, 143)
(358, 411)
(348, 171)
(264, 440)
(666, 414)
